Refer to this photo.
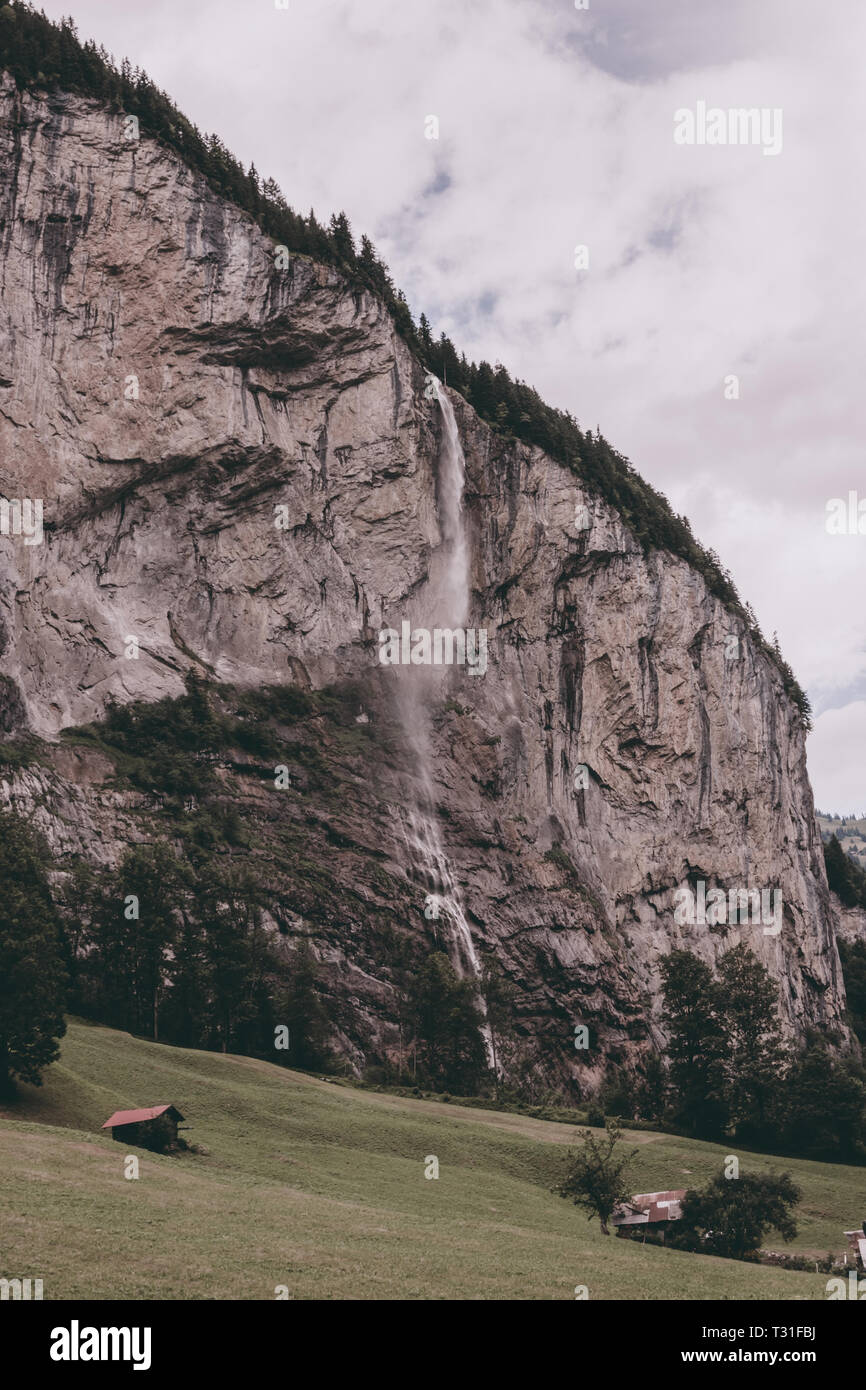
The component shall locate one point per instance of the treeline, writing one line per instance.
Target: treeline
(181, 949)
(182, 952)
(164, 946)
(728, 1072)
(39, 53)
(33, 982)
(178, 945)
(731, 1073)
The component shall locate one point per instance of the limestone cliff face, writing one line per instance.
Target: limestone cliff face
(850, 921)
(239, 469)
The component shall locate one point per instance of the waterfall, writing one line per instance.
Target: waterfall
(443, 602)
(448, 586)
(431, 869)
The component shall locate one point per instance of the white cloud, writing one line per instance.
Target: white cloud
(835, 759)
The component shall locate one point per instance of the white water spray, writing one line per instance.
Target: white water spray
(443, 602)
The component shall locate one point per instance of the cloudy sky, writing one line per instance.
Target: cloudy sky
(556, 128)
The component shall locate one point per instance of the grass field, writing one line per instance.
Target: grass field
(320, 1187)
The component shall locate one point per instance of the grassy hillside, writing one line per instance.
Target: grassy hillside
(321, 1187)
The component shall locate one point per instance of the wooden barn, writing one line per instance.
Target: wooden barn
(653, 1211)
(152, 1128)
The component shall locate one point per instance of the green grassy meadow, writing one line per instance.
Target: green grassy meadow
(320, 1187)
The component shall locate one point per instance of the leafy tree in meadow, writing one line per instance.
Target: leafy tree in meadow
(597, 1176)
(731, 1216)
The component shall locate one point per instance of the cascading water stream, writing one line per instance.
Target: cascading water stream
(448, 586)
(443, 603)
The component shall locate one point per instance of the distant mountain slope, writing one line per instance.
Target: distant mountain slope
(850, 831)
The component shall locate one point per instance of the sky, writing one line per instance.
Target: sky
(704, 261)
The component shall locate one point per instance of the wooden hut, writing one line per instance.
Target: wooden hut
(652, 1212)
(152, 1128)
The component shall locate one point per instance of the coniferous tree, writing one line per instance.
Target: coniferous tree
(373, 272)
(650, 1093)
(847, 879)
(823, 1106)
(853, 958)
(237, 951)
(447, 1025)
(32, 978)
(343, 241)
(301, 1009)
(77, 899)
(253, 191)
(135, 935)
(754, 1054)
(697, 1043)
(186, 1010)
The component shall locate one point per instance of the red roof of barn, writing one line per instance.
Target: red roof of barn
(134, 1117)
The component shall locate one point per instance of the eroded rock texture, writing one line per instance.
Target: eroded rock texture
(165, 389)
